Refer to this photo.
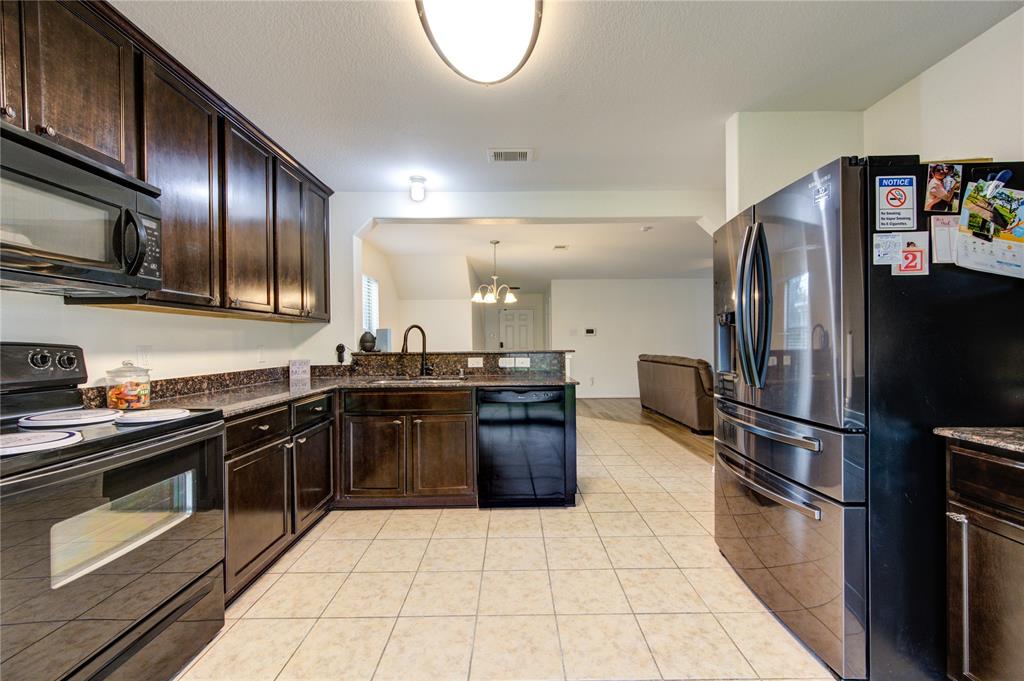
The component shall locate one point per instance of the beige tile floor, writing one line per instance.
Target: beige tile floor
(627, 585)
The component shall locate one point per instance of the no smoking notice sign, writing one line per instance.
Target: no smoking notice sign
(896, 201)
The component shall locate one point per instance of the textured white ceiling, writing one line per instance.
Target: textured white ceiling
(617, 95)
(526, 256)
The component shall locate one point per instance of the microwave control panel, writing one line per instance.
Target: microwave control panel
(151, 265)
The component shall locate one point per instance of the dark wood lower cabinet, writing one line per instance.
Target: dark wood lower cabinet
(442, 459)
(374, 458)
(985, 572)
(313, 473)
(258, 511)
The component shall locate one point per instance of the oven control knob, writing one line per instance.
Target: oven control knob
(67, 362)
(40, 359)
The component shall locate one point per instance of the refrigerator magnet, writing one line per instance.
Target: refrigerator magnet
(913, 254)
(942, 193)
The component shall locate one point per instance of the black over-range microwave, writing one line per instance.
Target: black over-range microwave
(70, 226)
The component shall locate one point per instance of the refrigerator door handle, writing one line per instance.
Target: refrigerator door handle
(743, 345)
(801, 507)
(811, 444)
(761, 273)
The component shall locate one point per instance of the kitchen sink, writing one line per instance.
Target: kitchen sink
(436, 380)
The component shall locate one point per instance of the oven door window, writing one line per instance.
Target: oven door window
(44, 221)
(85, 542)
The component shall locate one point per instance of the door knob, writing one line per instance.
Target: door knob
(8, 111)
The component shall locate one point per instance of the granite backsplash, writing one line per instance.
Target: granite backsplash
(542, 363)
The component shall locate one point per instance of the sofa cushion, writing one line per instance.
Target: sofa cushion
(702, 367)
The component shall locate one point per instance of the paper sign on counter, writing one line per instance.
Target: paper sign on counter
(896, 203)
(299, 374)
(886, 249)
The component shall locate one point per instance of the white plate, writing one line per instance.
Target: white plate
(147, 416)
(70, 417)
(21, 443)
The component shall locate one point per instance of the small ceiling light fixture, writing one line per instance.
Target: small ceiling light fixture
(417, 188)
(646, 228)
(484, 42)
(491, 293)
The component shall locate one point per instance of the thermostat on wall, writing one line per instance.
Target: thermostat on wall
(589, 332)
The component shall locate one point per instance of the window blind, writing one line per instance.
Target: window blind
(371, 304)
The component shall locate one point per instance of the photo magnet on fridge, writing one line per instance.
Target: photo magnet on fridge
(942, 193)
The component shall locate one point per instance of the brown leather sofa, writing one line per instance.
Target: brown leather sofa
(680, 388)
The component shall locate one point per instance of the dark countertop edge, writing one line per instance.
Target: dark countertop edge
(1010, 438)
(242, 400)
(416, 353)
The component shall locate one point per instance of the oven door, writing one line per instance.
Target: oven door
(92, 547)
(70, 230)
(803, 554)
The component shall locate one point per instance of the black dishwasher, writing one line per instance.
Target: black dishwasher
(527, 447)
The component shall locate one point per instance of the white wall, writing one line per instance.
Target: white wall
(969, 105)
(766, 150)
(448, 323)
(375, 264)
(631, 316)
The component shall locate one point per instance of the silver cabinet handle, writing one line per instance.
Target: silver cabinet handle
(289, 445)
(47, 130)
(9, 111)
(397, 422)
(264, 427)
(801, 507)
(320, 408)
(958, 517)
(811, 444)
(302, 440)
(418, 421)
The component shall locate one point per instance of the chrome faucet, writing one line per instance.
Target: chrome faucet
(424, 369)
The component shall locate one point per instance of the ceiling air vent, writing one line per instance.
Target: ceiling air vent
(561, 247)
(509, 155)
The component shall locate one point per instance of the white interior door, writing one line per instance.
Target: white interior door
(515, 330)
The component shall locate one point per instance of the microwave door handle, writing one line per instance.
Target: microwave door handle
(741, 307)
(800, 507)
(133, 262)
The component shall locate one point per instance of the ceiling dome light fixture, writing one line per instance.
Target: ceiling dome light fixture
(417, 188)
(491, 293)
(485, 42)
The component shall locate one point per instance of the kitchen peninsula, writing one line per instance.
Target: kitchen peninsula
(377, 434)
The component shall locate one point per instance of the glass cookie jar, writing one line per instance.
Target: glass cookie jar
(128, 387)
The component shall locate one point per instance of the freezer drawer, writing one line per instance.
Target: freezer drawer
(803, 554)
(828, 461)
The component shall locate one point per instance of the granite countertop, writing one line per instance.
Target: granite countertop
(235, 401)
(1003, 438)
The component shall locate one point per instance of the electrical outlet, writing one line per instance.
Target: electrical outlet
(591, 381)
(522, 362)
(261, 357)
(506, 362)
(144, 356)
(476, 362)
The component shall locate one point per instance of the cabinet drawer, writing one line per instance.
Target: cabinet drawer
(420, 402)
(987, 477)
(311, 410)
(256, 429)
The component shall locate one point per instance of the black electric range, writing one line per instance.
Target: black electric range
(113, 535)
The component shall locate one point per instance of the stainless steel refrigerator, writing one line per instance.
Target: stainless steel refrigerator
(830, 374)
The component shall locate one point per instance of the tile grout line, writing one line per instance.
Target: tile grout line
(394, 624)
(479, 596)
(551, 590)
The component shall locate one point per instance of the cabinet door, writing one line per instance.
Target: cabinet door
(248, 224)
(181, 156)
(80, 82)
(986, 610)
(288, 240)
(313, 472)
(315, 260)
(441, 457)
(12, 96)
(258, 511)
(374, 456)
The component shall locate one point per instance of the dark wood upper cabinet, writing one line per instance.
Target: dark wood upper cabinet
(12, 95)
(313, 475)
(288, 200)
(374, 456)
(80, 81)
(181, 156)
(316, 275)
(248, 223)
(441, 455)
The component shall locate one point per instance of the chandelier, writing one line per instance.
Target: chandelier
(490, 293)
